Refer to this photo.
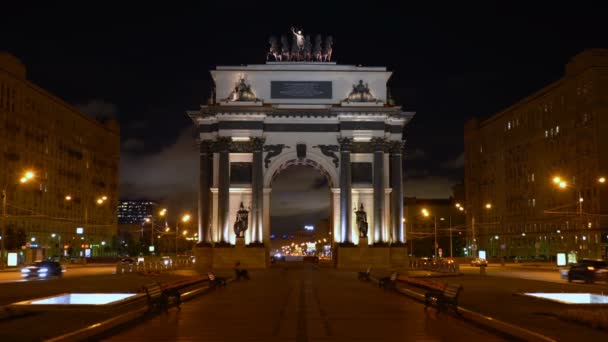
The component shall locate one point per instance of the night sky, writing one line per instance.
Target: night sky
(147, 65)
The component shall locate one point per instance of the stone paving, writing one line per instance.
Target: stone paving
(302, 303)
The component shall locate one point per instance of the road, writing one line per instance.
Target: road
(70, 272)
(531, 274)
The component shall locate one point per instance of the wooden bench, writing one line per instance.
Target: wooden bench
(388, 283)
(156, 298)
(240, 273)
(443, 299)
(215, 281)
(365, 275)
(159, 296)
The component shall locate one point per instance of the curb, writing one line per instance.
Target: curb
(104, 326)
(487, 321)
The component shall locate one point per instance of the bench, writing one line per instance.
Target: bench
(365, 275)
(388, 283)
(215, 281)
(158, 297)
(443, 299)
(240, 273)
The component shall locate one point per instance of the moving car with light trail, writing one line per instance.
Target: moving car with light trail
(42, 269)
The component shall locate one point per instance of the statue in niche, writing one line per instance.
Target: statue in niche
(274, 49)
(240, 226)
(317, 51)
(360, 93)
(307, 48)
(361, 221)
(299, 38)
(284, 48)
(328, 49)
(242, 92)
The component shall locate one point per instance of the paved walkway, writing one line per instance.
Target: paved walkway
(303, 303)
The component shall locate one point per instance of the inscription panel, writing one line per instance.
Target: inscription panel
(300, 90)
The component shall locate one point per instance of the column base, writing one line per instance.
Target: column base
(376, 257)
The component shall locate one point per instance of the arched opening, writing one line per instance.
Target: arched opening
(300, 212)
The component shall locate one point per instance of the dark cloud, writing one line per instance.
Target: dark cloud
(429, 187)
(456, 163)
(132, 145)
(170, 175)
(417, 153)
(99, 109)
(300, 195)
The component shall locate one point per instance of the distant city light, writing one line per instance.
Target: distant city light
(309, 227)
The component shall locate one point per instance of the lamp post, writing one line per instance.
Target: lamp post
(185, 219)
(425, 213)
(27, 176)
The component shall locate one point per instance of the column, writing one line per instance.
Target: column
(204, 192)
(223, 145)
(396, 151)
(346, 146)
(257, 191)
(378, 145)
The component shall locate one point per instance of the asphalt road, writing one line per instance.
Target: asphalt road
(70, 272)
(532, 274)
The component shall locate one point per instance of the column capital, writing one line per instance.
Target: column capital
(379, 144)
(396, 146)
(222, 144)
(258, 143)
(205, 146)
(346, 144)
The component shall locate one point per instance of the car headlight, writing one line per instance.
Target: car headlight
(43, 270)
(25, 270)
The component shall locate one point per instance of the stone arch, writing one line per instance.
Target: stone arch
(313, 159)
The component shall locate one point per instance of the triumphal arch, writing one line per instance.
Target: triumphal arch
(300, 108)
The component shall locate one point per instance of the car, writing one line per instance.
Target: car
(127, 261)
(479, 262)
(166, 260)
(588, 270)
(42, 269)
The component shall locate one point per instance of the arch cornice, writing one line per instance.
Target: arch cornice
(288, 157)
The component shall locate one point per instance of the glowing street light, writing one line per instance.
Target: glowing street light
(68, 198)
(99, 201)
(563, 184)
(186, 218)
(557, 180)
(601, 180)
(488, 205)
(163, 212)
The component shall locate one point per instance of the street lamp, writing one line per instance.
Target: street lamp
(27, 176)
(425, 213)
(185, 219)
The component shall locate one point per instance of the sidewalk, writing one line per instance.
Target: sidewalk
(497, 301)
(303, 304)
